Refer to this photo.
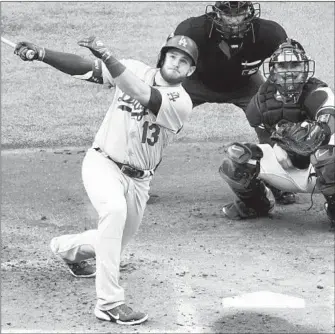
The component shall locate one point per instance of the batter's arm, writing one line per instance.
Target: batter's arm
(123, 77)
(76, 66)
(68, 63)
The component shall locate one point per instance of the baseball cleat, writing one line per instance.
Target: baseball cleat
(122, 315)
(236, 211)
(82, 269)
(286, 198)
(239, 210)
(283, 197)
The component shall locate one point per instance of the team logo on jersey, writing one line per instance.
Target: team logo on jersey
(131, 105)
(182, 41)
(173, 96)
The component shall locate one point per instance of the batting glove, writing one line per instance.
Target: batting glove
(29, 51)
(96, 46)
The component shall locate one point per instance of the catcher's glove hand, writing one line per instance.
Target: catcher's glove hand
(302, 138)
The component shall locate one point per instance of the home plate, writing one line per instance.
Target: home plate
(263, 299)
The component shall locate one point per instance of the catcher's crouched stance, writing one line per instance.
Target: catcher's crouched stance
(299, 112)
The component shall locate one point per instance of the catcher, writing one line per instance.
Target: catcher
(298, 110)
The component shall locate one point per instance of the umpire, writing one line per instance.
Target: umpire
(233, 43)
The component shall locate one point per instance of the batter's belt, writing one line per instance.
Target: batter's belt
(126, 169)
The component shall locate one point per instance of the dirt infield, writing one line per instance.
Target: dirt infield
(184, 260)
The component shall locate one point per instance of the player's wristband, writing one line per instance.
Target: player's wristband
(114, 67)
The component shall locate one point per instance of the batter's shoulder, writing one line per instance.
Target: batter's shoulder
(186, 98)
(175, 93)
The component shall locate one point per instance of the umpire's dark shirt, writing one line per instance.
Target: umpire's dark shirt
(215, 69)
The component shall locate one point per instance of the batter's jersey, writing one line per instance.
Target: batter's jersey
(215, 68)
(132, 134)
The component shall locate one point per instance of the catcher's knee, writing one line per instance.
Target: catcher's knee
(323, 160)
(240, 164)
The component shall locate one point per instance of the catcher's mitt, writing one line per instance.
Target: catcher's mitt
(301, 138)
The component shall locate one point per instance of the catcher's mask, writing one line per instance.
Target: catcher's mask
(289, 69)
(182, 43)
(233, 20)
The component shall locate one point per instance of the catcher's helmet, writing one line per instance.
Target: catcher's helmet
(180, 42)
(233, 19)
(289, 69)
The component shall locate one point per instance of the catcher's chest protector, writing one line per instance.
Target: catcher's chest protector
(274, 111)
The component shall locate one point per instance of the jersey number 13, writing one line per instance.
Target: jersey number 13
(150, 133)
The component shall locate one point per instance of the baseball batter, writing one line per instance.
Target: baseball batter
(298, 110)
(149, 106)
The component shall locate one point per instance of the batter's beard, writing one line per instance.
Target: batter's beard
(169, 79)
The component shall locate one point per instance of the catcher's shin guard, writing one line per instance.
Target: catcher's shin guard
(330, 209)
(323, 161)
(240, 169)
(240, 165)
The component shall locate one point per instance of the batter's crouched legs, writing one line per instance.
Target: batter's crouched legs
(323, 161)
(240, 169)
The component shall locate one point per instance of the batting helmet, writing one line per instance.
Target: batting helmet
(289, 69)
(182, 43)
(233, 19)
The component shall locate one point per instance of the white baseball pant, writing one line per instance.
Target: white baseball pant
(292, 179)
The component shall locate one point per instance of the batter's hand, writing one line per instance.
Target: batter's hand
(96, 46)
(22, 48)
(282, 157)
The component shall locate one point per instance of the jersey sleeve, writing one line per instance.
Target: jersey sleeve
(106, 76)
(175, 109)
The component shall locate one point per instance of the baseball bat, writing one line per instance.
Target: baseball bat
(30, 53)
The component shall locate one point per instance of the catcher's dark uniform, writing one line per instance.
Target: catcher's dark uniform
(224, 78)
(309, 123)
